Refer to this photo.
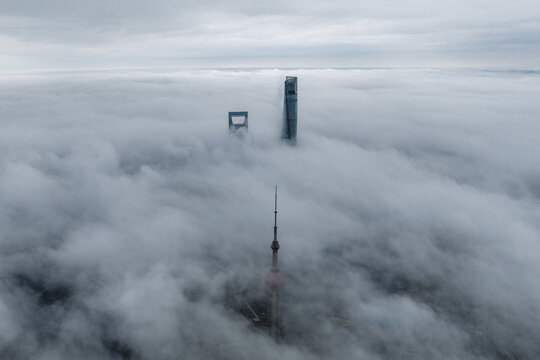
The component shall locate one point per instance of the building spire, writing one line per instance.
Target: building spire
(275, 243)
(275, 210)
(274, 281)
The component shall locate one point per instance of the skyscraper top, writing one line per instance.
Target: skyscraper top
(290, 109)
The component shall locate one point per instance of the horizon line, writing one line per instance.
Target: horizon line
(260, 68)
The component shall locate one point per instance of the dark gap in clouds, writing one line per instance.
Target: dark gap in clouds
(47, 294)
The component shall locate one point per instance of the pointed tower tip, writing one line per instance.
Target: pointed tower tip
(275, 204)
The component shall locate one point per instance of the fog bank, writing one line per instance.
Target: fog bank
(408, 214)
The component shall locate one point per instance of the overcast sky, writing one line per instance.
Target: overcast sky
(65, 34)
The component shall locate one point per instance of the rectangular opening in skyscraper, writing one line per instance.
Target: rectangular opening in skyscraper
(238, 119)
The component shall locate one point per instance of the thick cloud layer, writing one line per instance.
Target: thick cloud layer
(64, 34)
(408, 215)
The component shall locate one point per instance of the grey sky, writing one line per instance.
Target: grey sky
(141, 33)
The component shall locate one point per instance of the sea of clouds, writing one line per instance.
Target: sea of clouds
(409, 214)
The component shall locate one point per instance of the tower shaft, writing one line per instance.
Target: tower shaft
(274, 281)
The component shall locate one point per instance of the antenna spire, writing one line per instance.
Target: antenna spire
(275, 210)
(275, 243)
(274, 281)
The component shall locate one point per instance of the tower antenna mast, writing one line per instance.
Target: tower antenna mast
(275, 243)
(274, 282)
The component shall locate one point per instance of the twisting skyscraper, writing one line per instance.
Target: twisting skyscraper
(290, 109)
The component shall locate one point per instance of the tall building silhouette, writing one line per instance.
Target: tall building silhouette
(290, 109)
